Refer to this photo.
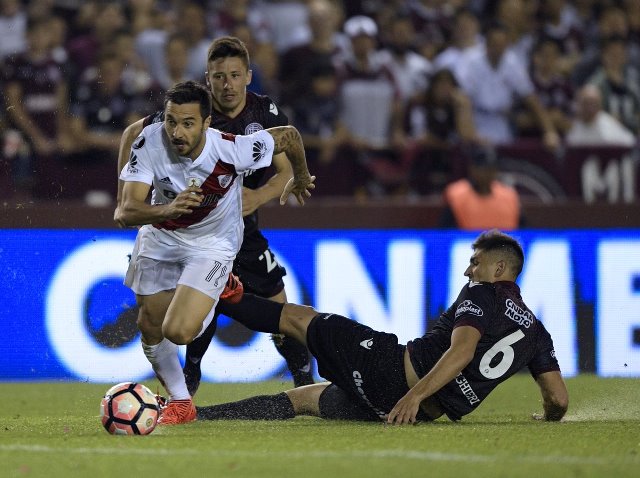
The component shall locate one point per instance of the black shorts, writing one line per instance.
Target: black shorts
(366, 364)
(259, 272)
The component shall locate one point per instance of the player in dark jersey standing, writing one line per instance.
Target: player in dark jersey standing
(485, 337)
(238, 111)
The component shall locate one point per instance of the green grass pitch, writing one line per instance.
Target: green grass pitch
(53, 430)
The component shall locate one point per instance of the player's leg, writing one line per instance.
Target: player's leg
(294, 321)
(295, 354)
(198, 347)
(324, 400)
(192, 308)
(195, 351)
(183, 321)
(281, 406)
(186, 314)
(262, 275)
(161, 352)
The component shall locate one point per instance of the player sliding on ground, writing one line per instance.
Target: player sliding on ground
(485, 337)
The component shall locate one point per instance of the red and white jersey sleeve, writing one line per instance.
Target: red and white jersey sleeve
(252, 151)
(217, 223)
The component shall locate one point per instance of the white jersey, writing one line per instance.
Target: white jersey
(217, 223)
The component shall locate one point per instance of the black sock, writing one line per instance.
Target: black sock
(198, 347)
(262, 407)
(297, 358)
(255, 313)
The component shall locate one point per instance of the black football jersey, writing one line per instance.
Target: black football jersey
(259, 113)
(511, 338)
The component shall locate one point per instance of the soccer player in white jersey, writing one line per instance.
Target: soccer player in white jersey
(192, 229)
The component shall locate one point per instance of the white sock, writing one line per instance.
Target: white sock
(166, 365)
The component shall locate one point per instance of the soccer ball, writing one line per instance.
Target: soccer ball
(129, 409)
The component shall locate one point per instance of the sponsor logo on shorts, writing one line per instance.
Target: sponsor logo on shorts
(166, 180)
(518, 314)
(466, 389)
(358, 381)
(468, 307)
(367, 344)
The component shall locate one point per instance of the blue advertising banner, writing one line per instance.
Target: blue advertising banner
(66, 315)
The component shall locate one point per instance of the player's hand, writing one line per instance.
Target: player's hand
(185, 202)
(299, 187)
(117, 218)
(250, 201)
(405, 410)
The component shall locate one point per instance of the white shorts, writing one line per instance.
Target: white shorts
(206, 271)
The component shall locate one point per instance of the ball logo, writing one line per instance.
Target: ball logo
(468, 307)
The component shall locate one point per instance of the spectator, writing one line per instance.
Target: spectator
(518, 20)
(440, 122)
(612, 22)
(432, 21)
(560, 23)
(176, 57)
(595, 127)
(370, 110)
(619, 84)
(466, 38)
(325, 45)
(286, 21)
(316, 116)
(191, 24)
(36, 103)
(105, 20)
(13, 28)
(481, 201)
(135, 77)
(553, 88)
(410, 70)
(102, 107)
(493, 79)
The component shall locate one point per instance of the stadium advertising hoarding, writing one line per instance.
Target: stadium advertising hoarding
(66, 314)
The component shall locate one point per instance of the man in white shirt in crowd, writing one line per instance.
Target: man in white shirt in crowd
(595, 127)
(493, 78)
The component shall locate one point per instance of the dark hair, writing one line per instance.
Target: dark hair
(228, 47)
(495, 240)
(190, 92)
(495, 26)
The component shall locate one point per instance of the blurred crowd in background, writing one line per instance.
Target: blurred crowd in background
(387, 94)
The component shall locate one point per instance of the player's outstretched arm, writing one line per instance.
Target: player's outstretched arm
(130, 133)
(287, 140)
(555, 398)
(464, 341)
(253, 199)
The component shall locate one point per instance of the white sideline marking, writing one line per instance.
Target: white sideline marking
(370, 454)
